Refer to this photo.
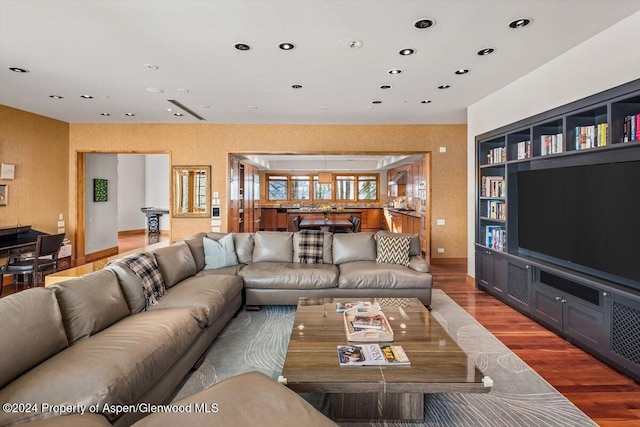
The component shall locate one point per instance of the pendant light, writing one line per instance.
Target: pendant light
(325, 177)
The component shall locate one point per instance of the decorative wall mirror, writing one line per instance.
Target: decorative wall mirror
(191, 191)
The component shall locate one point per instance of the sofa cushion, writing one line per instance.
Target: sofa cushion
(375, 275)
(74, 420)
(207, 295)
(90, 303)
(327, 257)
(130, 285)
(414, 249)
(220, 253)
(196, 246)
(32, 324)
(393, 249)
(349, 247)
(273, 246)
(232, 270)
(175, 262)
(243, 243)
(288, 275)
(243, 400)
(117, 366)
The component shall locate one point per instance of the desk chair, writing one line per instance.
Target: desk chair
(296, 222)
(356, 224)
(45, 258)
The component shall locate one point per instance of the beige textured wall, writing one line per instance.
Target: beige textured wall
(39, 147)
(210, 144)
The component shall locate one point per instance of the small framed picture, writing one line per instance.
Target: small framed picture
(100, 190)
(7, 171)
(4, 193)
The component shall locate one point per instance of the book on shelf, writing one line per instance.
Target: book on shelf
(631, 128)
(591, 136)
(372, 355)
(496, 155)
(341, 307)
(495, 237)
(368, 321)
(493, 186)
(496, 209)
(524, 150)
(551, 144)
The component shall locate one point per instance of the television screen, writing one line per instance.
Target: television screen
(583, 215)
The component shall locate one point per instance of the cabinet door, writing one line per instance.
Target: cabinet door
(269, 219)
(547, 305)
(583, 322)
(518, 284)
(484, 268)
(373, 218)
(622, 330)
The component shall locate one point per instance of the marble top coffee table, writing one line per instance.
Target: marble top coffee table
(438, 364)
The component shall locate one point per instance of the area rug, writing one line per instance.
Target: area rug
(257, 341)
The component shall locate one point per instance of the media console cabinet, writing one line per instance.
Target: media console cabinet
(588, 307)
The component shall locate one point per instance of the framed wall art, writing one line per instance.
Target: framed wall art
(7, 171)
(100, 190)
(4, 193)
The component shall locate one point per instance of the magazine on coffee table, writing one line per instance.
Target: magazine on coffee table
(341, 307)
(372, 355)
(367, 325)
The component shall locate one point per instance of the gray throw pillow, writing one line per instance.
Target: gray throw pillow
(220, 253)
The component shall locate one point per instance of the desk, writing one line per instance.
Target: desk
(18, 239)
(330, 224)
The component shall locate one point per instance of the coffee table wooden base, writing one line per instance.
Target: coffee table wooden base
(380, 406)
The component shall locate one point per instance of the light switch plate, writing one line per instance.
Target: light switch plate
(440, 222)
(443, 149)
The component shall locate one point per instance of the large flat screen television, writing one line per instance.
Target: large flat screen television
(583, 217)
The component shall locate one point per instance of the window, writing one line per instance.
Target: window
(345, 187)
(367, 187)
(322, 191)
(278, 185)
(300, 188)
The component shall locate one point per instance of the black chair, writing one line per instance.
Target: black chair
(45, 258)
(296, 222)
(356, 224)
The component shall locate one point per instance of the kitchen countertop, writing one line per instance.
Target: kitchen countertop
(315, 210)
(408, 212)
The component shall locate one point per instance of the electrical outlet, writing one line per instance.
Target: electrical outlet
(440, 250)
(60, 224)
(439, 221)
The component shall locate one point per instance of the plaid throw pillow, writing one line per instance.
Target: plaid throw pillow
(310, 246)
(144, 266)
(393, 249)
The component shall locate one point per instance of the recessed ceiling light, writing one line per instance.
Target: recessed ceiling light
(18, 70)
(242, 46)
(129, 114)
(395, 71)
(287, 46)
(151, 66)
(296, 86)
(425, 101)
(169, 109)
(105, 114)
(376, 102)
(183, 90)
(486, 51)
(385, 87)
(56, 96)
(444, 87)
(461, 71)
(154, 90)
(520, 23)
(424, 23)
(407, 51)
(86, 96)
(322, 107)
(178, 114)
(205, 106)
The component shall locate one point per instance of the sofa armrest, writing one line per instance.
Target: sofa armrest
(418, 264)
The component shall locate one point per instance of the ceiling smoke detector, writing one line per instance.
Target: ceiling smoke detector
(350, 44)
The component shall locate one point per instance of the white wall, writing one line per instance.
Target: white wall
(131, 194)
(101, 218)
(606, 60)
(157, 184)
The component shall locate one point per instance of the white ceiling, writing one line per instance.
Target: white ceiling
(100, 48)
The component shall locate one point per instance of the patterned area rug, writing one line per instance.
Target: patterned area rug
(257, 341)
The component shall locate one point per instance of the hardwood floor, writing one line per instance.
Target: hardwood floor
(610, 398)
(605, 395)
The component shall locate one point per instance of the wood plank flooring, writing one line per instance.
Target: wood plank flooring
(610, 398)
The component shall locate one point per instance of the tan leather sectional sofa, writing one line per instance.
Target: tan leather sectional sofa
(89, 341)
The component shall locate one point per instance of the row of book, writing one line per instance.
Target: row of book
(493, 186)
(551, 144)
(496, 210)
(495, 237)
(497, 155)
(591, 136)
(524, 150)
(631, 128)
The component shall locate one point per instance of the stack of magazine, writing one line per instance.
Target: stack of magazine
(372, 355)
